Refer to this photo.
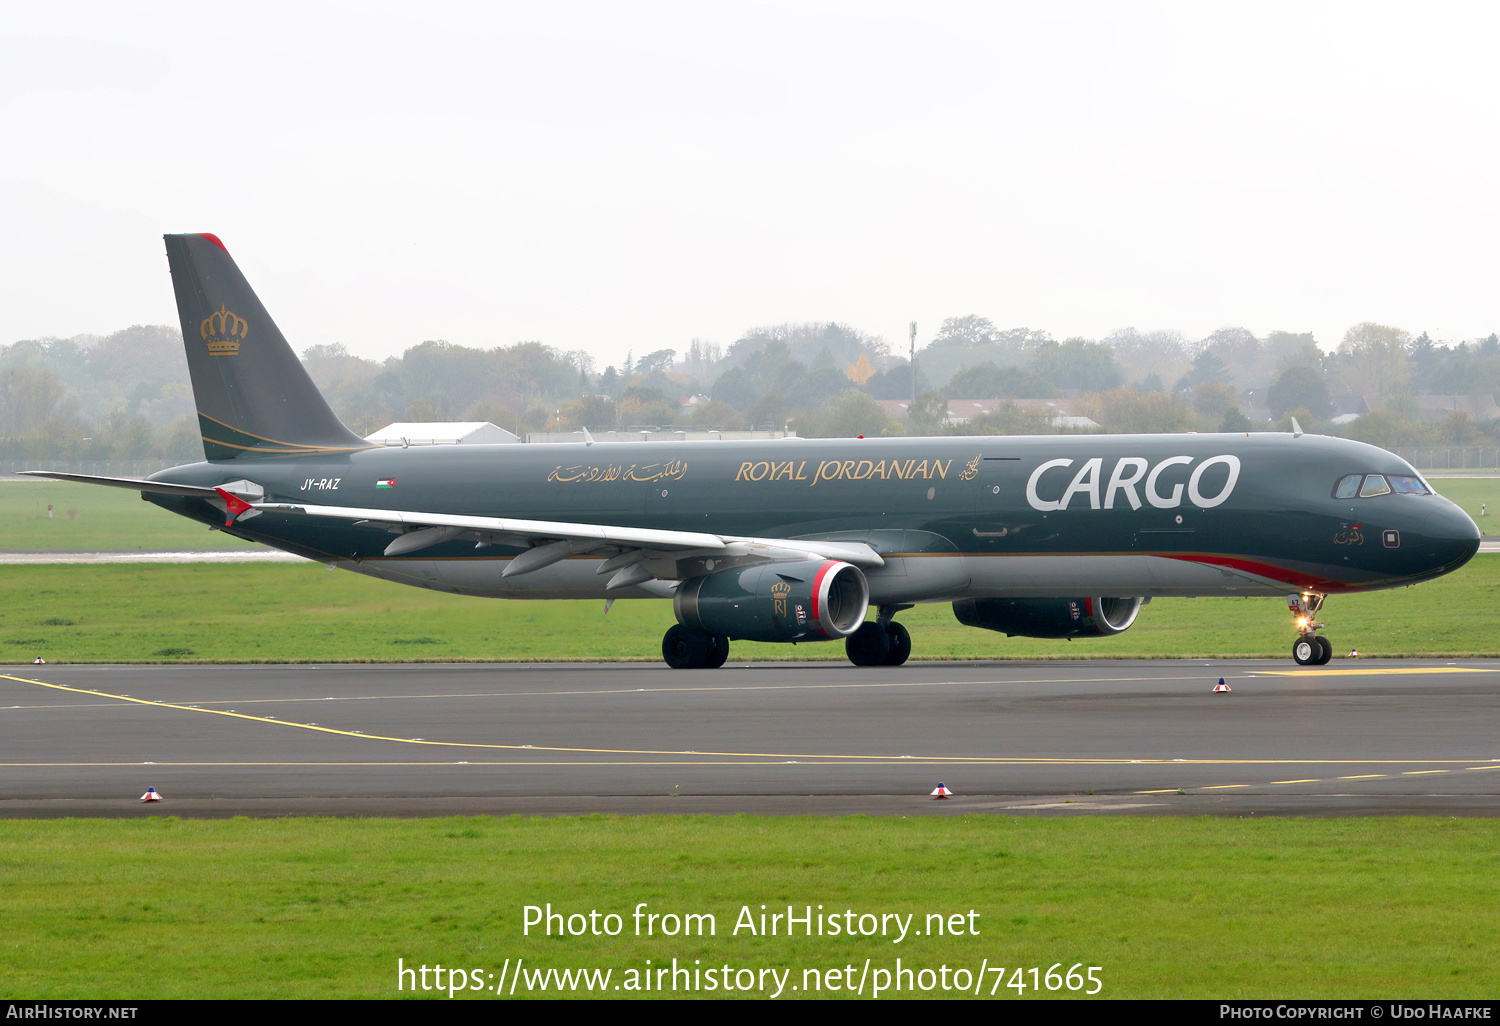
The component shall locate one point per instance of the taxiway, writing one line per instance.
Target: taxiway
(1392, 736)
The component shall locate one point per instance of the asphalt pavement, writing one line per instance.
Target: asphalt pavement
(1015, 738)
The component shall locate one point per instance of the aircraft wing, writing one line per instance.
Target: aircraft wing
(550, 541)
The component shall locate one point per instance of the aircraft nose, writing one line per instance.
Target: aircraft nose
(1453, 535)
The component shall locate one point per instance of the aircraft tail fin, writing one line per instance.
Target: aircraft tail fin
(253, 396)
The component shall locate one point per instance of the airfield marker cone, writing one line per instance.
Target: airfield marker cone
(1354, 653)
(150, 795)
(38, 661)
(941, 792)
(1221, 686)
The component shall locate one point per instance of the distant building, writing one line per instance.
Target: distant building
(962, 410)
(1431, 409)
(450, 433)
(657, 435)
(1351, 405)
(1436, 408)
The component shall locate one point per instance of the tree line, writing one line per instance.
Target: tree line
(127, 395)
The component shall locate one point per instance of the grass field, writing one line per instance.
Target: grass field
(90, 518)
(320, 908)
(1472, 493)
(306, 613)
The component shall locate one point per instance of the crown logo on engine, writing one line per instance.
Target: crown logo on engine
(779, 591)
(220, 329)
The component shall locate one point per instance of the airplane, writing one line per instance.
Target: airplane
(793, 540)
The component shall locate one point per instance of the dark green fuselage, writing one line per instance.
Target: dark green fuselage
(952, 517)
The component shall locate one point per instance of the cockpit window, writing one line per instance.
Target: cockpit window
(1409, 485)
(1365, 485)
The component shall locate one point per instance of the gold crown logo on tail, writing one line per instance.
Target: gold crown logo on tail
(219, 330)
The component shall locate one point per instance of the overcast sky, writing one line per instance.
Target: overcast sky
(626, 176)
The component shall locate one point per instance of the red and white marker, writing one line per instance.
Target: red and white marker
(150, 795)
(234, 506)
(941, 791)
(1221, 686)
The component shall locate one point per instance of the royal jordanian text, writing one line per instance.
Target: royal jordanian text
(811, 472)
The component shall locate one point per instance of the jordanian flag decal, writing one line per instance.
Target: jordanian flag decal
(386, 482)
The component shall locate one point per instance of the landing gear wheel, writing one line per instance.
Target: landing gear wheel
(685, 649)
(900, 644)
(868, 646)
(1306, 651)
(718, 654)
(1310, 648)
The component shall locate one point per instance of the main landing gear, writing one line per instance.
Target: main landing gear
(686, 649)
(882, 643)
(1311, 648)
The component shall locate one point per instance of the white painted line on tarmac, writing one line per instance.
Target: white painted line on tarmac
(216, 556)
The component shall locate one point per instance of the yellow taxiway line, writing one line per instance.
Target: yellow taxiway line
(786, 757)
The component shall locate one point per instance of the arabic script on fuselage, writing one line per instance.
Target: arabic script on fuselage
(672, 470)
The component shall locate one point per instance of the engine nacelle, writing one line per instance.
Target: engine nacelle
(809, 600)
(1050, 618)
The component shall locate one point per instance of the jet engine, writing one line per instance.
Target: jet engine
(1050, 618)
(811, 600)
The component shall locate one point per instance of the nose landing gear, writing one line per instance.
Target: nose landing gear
(1311, 648)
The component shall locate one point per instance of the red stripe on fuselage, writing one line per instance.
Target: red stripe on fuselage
(1281, 574)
